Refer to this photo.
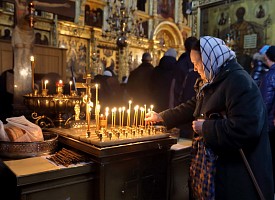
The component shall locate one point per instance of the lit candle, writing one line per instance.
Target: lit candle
(32, 58)
(46, 82)
(106, 114)
(144, 115)
(123, 110)
(151, 107)
(60, 83)
(71, 87)
(129, 113)
(32, 67)
(135, 115)
(114, 117)
(128, 123)
(119, 111)
(141, 116)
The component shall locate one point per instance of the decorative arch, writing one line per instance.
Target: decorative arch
(169, 33)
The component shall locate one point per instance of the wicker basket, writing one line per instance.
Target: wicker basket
(17, 150)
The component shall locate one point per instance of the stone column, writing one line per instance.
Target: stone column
(22, 41)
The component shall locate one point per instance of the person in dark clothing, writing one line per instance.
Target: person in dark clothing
(161, 81)
(139, 81)
(109, 93)
(259, 66)
(185, 81)
(267, 88)
(185, 75)
(228, 115)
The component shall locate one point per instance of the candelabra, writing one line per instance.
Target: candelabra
(122, 22)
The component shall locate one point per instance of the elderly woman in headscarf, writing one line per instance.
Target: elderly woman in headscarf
(229, 118)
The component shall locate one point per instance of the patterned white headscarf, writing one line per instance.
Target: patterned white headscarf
(214, 53)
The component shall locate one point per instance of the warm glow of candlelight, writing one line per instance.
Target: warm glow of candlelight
(32, 58)
(46, 82)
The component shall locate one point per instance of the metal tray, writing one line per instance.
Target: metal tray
(18, 150)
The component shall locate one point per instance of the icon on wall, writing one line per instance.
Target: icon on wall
(222, 20)
(260, 11)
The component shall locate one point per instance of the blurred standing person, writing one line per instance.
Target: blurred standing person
(161, 81)
(267, 88)
(185, 80)
(229, 117)
(139, 81)
(259, 67)
(110, 91)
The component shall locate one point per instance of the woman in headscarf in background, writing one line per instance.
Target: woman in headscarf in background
(228, 117)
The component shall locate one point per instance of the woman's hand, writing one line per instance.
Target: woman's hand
(153, 117)
(197, 126)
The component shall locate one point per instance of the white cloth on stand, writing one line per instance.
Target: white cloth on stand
(32, 132)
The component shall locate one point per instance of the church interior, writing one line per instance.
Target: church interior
(50, 53)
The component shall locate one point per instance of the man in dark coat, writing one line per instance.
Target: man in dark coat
(228, 114)
(161, 80)
(139, 81)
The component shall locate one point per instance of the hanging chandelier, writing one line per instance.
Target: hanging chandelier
(121, 22)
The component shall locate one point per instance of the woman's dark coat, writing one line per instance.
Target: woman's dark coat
(234, 94)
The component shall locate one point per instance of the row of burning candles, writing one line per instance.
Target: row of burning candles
(138, 115)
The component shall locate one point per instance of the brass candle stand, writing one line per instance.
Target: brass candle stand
(53, 110)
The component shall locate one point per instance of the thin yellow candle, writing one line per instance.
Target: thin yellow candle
(129, 114)
(141, 116)
(106, 114)
(123, 110)
(136, 115)
(98, 113)
(114, 117)
(32, 67)
(89, 108)
(119, 111)
(144, 115)
(128, 123)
